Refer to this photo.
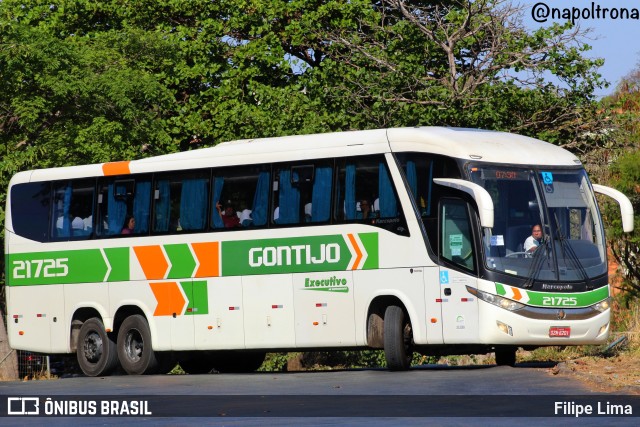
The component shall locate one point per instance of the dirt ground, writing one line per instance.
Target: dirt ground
(615, 374)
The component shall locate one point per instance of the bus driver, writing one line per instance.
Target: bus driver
(533, 241)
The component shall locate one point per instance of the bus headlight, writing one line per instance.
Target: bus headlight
(499, 301)
(603, 305)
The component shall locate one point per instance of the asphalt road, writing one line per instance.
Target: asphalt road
(440, 394)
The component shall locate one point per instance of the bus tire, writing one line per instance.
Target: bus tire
(397, 339)
(96, 350)
(239, 362)
(135, 349)
(506, 357)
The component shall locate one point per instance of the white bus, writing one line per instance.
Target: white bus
(407, 240)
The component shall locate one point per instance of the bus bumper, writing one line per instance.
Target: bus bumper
(499, 326)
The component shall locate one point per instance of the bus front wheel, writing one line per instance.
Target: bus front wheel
(397, 339)
(134, 346)
(96, 350)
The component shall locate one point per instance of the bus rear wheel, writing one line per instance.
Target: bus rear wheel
(96, 350)
(397, 339)
(135, 350)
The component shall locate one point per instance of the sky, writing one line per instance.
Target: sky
(617, 41)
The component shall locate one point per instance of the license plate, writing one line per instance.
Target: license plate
(559, 332)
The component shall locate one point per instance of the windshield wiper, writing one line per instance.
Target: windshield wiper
(538, 258)
(569, 253)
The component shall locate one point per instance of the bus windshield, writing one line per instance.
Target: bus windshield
(558, 203)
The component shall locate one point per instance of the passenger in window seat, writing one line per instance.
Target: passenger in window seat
(229, 216)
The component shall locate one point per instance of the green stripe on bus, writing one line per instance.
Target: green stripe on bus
(198, 299)
(118, 258)
(245, 257)
(295, 254)
(79, 266)
(370, 242)
(51, 268)
(181, 259)
(556, 299)
(576, 299)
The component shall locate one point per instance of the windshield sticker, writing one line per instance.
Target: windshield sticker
(497, 240)
(455, 244)
(547, 177)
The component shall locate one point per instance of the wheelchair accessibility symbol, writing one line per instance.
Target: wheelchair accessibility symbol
(444, 277)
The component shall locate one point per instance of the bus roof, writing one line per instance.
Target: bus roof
(478, 144)
(461, 143)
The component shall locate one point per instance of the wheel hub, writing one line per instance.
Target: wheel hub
(134, 345)
(93, 347)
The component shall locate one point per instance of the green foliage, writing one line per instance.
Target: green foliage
(627, 172)
(276, 362)
(86, 81)
(626, 247)
(623, 112)
(322, 360)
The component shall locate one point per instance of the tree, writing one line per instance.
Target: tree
(468, 63)
(623, 110)
(94, 81)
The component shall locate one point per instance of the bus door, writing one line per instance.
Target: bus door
(458, 269)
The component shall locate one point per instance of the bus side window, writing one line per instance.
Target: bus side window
(112, 201)
(246, 190)
(320, 209)
(302, 193)
(287, 196)
(388, 203)
(30, 210)
(365, 190)
(73, 209)
(162, 206)
(193, 203)
(180, 202)
(142, 205)
(120, 199)
(456, 243)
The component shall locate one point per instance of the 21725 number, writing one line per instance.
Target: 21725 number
(36, 268)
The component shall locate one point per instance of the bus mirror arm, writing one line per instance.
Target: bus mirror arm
(626, 208)
(479, 194)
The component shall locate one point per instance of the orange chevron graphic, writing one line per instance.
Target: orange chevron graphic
(358, 252)
(152, 260)
(208, 255)
(169, 297)
(516, 294)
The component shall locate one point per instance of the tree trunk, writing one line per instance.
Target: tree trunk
(8, 356)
